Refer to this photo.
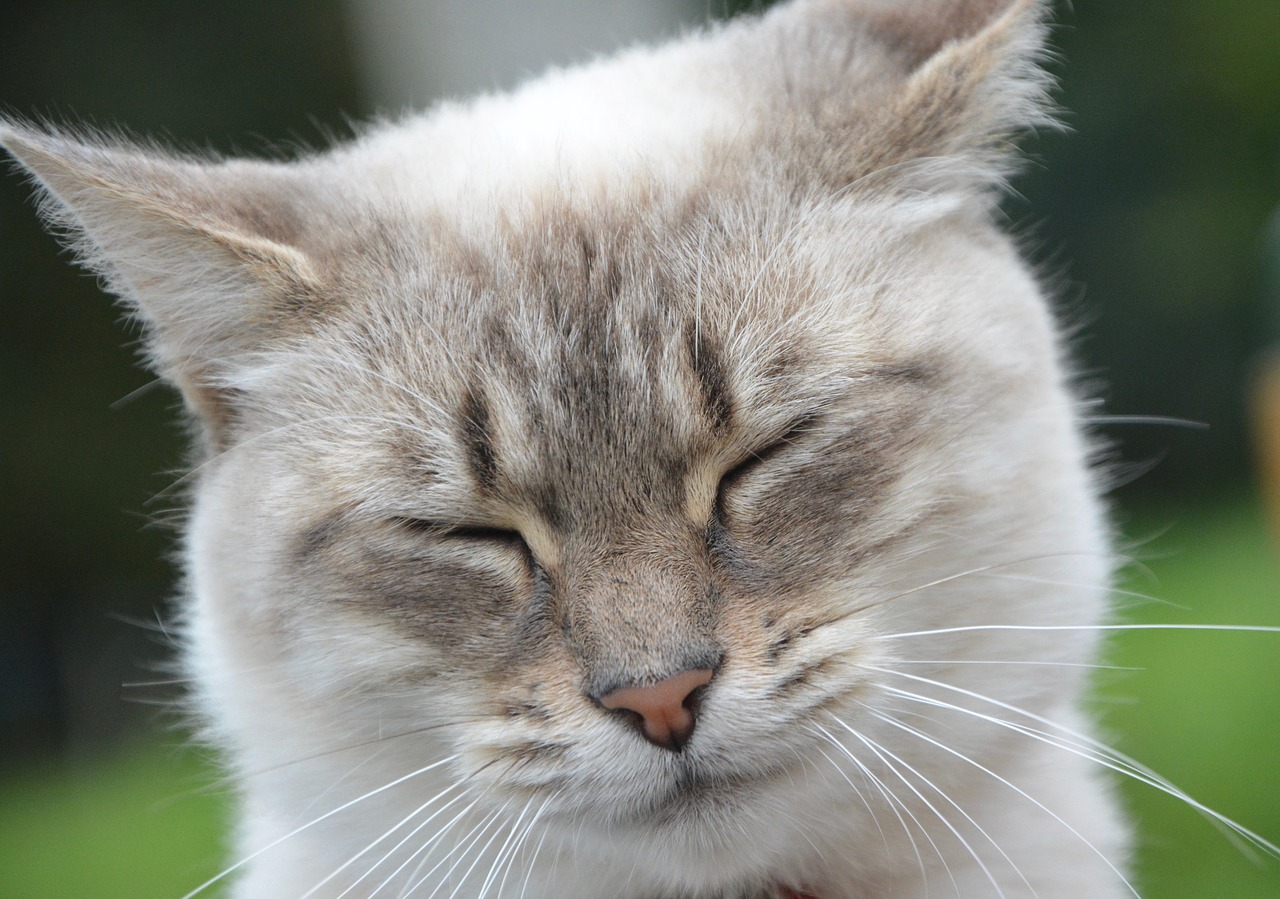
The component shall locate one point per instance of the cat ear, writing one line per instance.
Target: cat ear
(958, 82)
(206, 254)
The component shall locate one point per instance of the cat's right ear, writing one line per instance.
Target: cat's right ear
(208, 254)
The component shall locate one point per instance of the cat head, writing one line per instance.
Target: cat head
(704, 360)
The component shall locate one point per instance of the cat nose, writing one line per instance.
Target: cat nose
(667, 710)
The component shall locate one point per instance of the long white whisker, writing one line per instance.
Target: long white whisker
(405, 839)
(1038, 662)
(1053, 582)
(937, 814)
(1160, 420)
(929, 783)
(1095, 751)
(923, 736)
(1100, 755)
(1229, 628)
(463, 846)
(502, 851)
(313, 822)
(494, 819)
(892, 801)
(895, 798)
(537, 850)
(971, 572)
(424, 849)
(519, 848)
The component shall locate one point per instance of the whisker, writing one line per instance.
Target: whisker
(519, 847)
(500, 858)
(424, 848)
(494, 818)
(234, 779)
(892, 801)
(537, 850)
(929, 783)
(386, 835)
(1229, 628)
(982, 569)
(313, 822)
(1050, 582)
(877, 750)
(462, 846)
(923, 736)
(896, 799)
(1158, 420)
(1038, 662)
(1094, 750)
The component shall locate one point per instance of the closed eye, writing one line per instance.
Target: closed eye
(465, 532)
(730, 480)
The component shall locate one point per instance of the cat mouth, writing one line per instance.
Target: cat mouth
(698, 794)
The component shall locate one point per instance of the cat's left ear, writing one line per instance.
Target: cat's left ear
(966, 79)
(209, 255)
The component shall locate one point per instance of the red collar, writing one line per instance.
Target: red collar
(789, 893)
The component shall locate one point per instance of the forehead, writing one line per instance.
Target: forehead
(725, 292)
(616, 331)
(598, 338)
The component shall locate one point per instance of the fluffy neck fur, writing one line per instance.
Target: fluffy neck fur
(704, 356)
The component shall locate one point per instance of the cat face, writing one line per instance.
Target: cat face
(556, 467)
(595, 480)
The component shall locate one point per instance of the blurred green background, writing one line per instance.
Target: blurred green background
(1156, 213)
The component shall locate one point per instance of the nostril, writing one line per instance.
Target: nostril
(666, 712)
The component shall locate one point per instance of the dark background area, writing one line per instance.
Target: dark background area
(1154, 214)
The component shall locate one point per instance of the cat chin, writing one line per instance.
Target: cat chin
(683, 859)
(714, 836)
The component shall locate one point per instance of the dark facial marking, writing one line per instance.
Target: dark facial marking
(712, 378)
(477, 438)
(315, 537)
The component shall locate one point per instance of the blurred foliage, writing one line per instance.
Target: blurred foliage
(1158, 199)
(139, 823)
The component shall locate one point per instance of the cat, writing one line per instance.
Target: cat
(664, 481)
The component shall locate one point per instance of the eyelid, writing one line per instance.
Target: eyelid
(798, 427)
(757, 458)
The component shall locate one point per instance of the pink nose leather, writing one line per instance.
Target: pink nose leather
(665, 716)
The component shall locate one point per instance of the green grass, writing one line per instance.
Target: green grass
(136, 825)
(1204, 711)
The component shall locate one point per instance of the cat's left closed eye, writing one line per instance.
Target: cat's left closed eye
(756, 460)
